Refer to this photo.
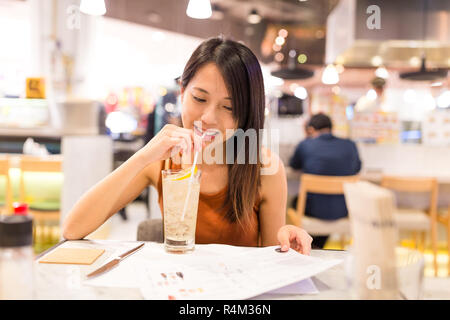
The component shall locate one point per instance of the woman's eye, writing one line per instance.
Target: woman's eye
(228, 108)
(198, 99)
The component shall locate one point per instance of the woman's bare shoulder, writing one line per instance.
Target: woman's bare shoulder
(273, 174)
(271, 162)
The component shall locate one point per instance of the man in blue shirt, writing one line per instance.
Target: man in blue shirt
(324, 154)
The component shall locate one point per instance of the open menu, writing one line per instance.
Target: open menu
(212, 271)
(241, 275)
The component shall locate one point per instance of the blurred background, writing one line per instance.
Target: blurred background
(86, 84)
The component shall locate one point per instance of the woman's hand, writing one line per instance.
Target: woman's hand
(169, 141)
(290, 236)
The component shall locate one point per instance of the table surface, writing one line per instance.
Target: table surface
(59, 281)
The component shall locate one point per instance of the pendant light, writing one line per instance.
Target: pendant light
(382, 72)
(199, 9)
(93, 7)
(254, 17)
(292, 72)
(424, 74)
(330, 75)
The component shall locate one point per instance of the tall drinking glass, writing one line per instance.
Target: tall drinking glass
(180, 201)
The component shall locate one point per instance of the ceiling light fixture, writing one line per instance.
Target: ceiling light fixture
(436, 84)
(93, 7)
(291, 71)
(330, 75)
(199, 9)
(302, 58)
(376, 61)
(276, 47)
(424, 74)
(382, 72)
(301, 93)
(279, 57)
(158, 36)
(443, 101)
(154, 17)
(283, 33)
(371, 95)
(254, 17)
(279, 41)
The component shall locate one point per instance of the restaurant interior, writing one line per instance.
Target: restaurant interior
(85, 84)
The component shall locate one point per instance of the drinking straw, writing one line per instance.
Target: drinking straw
(191, 180)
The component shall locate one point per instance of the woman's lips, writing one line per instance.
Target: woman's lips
(208, 135)
(208, 138)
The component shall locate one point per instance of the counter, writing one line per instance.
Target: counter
(31, 132)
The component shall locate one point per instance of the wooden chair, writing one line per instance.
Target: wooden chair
(4, 171)
(40, 217)
(415, 220)
(445, 220)
(322, 185)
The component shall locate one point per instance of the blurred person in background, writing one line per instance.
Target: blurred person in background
(322, 153)
(374, 100)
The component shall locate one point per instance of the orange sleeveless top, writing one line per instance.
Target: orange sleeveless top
(212, 226)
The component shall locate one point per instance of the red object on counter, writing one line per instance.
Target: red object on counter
(20, 209)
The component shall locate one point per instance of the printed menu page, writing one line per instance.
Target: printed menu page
(228, 276)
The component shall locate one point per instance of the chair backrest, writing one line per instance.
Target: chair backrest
(322, 185)
(414, 184)
(151, 230)
(4, 166)
(37, 164)
(409, 184)
(4, 171)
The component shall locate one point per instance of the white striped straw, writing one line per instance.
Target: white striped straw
(190, 182)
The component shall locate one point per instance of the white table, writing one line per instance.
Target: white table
(56, 281)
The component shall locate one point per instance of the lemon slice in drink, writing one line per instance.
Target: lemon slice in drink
(187, 174)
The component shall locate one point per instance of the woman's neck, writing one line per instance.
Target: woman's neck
(211, 157)
(204, 167)
(204, 162)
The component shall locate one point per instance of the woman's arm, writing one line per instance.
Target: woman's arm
(125, 183)
(272, 210)
(99, 203)
(273, 213)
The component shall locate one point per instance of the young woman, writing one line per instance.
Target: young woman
(221, 91)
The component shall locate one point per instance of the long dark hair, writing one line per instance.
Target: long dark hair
(243, 77)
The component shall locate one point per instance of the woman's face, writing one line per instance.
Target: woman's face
(206, 106)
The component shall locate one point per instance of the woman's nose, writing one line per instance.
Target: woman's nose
(208, 117)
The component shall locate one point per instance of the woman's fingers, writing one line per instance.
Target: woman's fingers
(284, 239)
(187, 144)
(304, 241)
(296, 238)
(173, 131)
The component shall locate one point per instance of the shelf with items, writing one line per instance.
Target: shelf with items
(19, 113)
(38, 183)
